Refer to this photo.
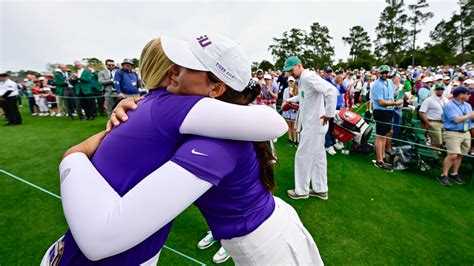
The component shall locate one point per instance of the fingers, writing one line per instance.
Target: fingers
(114, 120)
(137, 99)
(121, 114)
(108, 126)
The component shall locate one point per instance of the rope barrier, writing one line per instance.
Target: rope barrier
(416, 128)
(58, 197)
(421, 145)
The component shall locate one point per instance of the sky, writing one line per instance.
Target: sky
(35, 33)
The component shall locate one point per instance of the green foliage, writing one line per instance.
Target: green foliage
(392, 35)
(95, 63)
(416, 19)
(136, 62)
(291, 43)
(453, 41)
(318, 51)
(313, 48)
(265, 65)
(360, 43)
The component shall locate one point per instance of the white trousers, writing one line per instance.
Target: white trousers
(280, 240)
(310, 161)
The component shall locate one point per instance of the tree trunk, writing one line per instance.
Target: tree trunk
(414, 42)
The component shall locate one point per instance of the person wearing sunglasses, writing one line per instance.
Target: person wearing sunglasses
(106, 80)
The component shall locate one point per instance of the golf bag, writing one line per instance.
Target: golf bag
(351, 126)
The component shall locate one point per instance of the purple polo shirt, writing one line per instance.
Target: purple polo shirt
(128, 154)
(237, 203)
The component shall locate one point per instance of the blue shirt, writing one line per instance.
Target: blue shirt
(382, 90)
(126, 82)
(423, 94)
(152, 138)
(454, 109)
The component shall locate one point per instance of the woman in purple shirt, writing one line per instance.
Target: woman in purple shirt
(229, 181)
(164, 119)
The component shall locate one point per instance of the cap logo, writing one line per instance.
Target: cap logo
(203, 41)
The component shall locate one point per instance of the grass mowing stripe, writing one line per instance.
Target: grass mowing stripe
(56, 196)
(29, 183)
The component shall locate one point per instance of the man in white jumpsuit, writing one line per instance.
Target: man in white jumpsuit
(317, 99)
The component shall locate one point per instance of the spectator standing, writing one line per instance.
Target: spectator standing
(425, 91)
(282, 83)
(126, 81)
(431, 113)
(82, 82)
(29, 86)
(8, 95)
(358, 85)
(382, 95)
(70, 98)
(317, 100)
(59, 82)
(290, 115)
(98, 92)
(269, 93)
(106, 80)
(329, 139)
(448, 87)
(457, 119)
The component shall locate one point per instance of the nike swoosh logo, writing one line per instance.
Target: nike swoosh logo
(198, 153)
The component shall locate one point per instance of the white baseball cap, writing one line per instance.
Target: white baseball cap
(427, 79)
(267, 76)
(438, 77)
(291, 78)
(446, 78)
(468, 81)
(212, 52)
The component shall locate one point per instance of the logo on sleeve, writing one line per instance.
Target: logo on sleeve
(198, 153)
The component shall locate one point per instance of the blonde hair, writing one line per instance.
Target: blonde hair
(154, 64)
(294, 90)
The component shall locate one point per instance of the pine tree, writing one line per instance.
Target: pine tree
(359, 41)
(417, 17)
(391, 32)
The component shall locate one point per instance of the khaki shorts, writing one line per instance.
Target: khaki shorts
(436, 133)
(457, 142)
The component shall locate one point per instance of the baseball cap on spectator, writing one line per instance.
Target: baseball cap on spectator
(291, 62)
(267, 76)
(446, 78)
(328, 69)
(215, 53)
(290, 78)
(439, 86)
(438, 77)
(127, 61)
(460, 90)
(468, 81)
(41, 78)
(384, 68)
(427, 79)
(259, 71)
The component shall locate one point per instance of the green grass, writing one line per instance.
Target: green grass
(371, 217)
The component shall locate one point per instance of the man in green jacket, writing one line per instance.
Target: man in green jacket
(59, 81)
(82, 81)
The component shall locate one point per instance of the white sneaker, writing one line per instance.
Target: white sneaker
(59, 114)
(207, 241)
(34, 114)
(331, 150)
(53, 114)
(339, 145)
(220, 256)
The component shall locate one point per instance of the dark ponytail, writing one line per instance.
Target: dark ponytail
(262, 149)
